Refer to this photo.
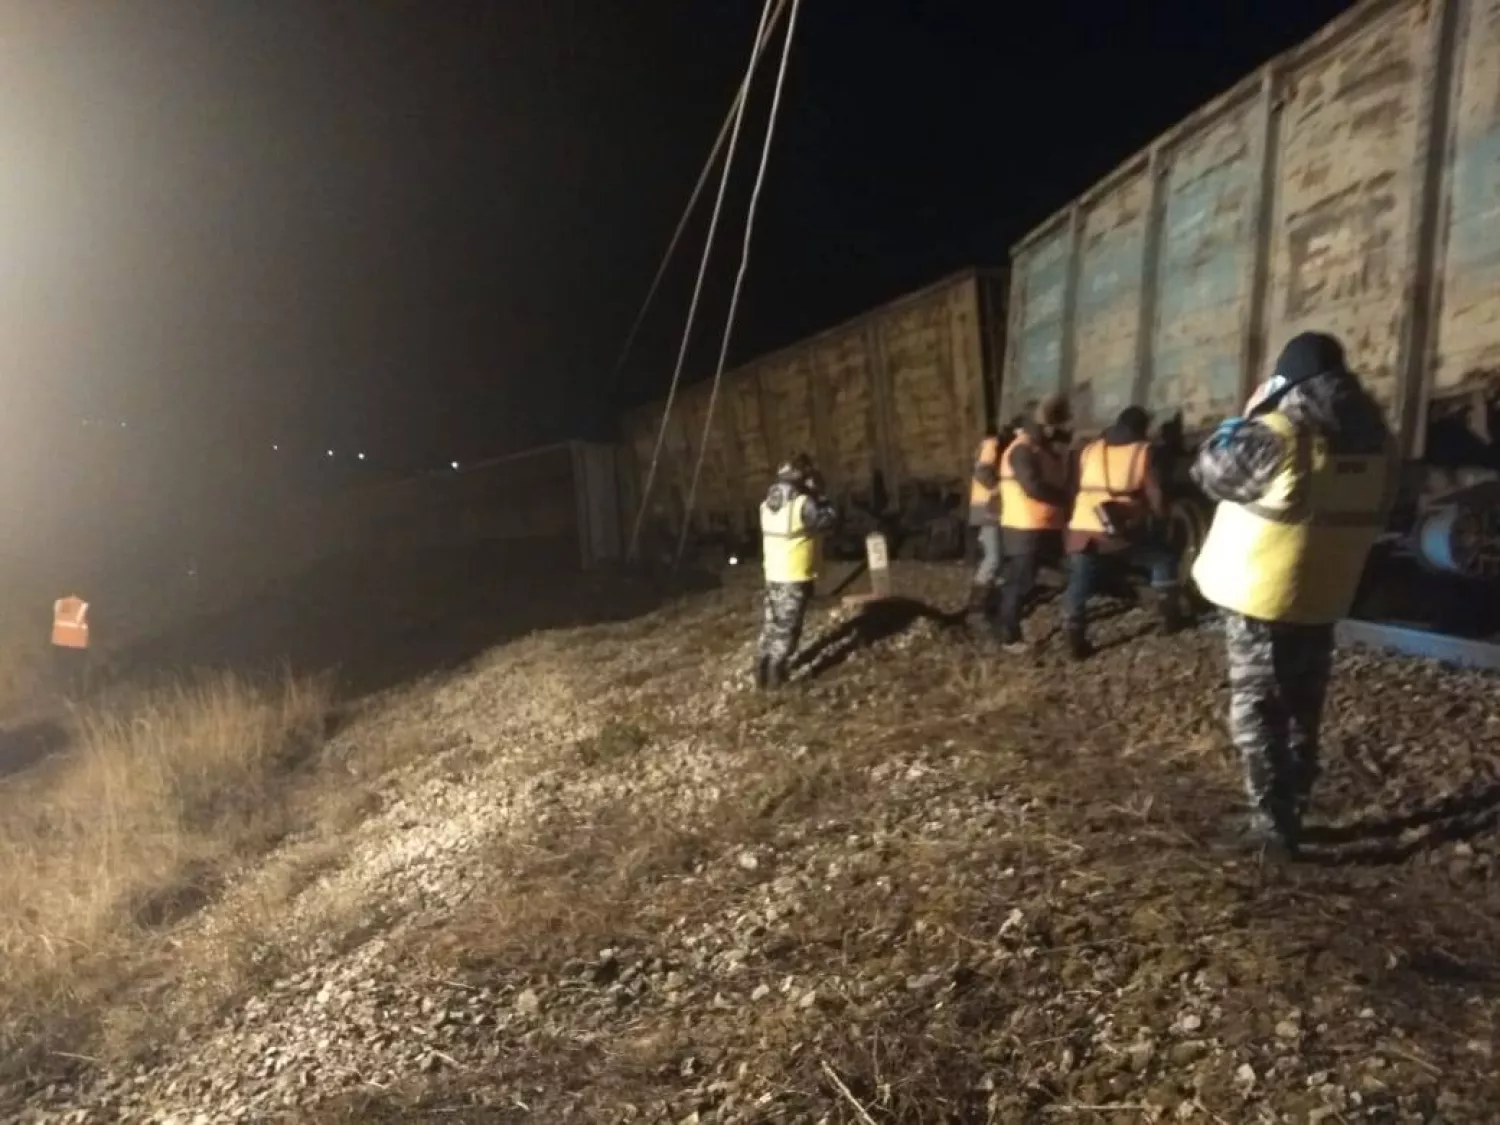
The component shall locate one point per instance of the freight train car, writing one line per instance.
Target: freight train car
(890, 405)
(1351, 186)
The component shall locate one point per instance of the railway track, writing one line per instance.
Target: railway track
(1427, 644)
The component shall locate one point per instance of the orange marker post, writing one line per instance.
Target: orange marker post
(70, 622)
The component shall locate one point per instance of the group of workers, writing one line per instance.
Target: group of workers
(1032, 500)
(1302, 481)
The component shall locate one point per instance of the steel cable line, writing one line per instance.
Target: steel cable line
(713, 156)
(661, 434)
(739, 280)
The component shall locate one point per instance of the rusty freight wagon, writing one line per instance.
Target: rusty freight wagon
(890, 404)
(1352, 185)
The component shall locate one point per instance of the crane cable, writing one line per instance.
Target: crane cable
(713, 225)
(739, 279)
(713, 156)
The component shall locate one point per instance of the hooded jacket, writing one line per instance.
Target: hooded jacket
(1240, 468)
(818, 513)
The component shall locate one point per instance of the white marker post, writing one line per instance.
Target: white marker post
(878, 557)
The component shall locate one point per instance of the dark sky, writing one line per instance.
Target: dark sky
(423, 228)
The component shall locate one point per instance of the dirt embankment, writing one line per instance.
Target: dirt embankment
(593, 877)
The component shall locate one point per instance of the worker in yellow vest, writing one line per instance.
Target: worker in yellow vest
(793, 515)
(1118, 515)
(1034, 499)
(1304, 485)
(984, 518)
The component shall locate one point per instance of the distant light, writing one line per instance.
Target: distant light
(122, 425)
(361, 456)
(330, 453)
(455, 465)
(734, 560)
(275, 448)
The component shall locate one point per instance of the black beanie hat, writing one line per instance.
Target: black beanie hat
(1307, 355)
(1134, 420)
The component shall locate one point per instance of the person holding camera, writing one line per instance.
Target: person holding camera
(1118, 513)
(1304, 484)
(794, 514)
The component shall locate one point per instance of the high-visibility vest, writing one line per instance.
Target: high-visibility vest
(982, 497)
(788, 550)
(70, 622)
(1018, 510)
(1296, 554)
(1108, 473)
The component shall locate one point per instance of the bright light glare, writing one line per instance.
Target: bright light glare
(275, 448)
(330, 453)
(361, 456)
(734, 560)
(454, 464)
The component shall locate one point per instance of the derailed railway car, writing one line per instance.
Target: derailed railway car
(1351, 185)
(890, 404)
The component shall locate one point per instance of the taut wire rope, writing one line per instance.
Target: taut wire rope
(708, 242)
(739, 280)
(692, 202)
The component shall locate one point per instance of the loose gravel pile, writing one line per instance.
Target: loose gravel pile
(929, 882)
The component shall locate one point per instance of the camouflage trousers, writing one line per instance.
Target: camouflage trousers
(781, 620)
(1278, 679)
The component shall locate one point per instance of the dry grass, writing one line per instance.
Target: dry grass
(159, 799)
(22, 659)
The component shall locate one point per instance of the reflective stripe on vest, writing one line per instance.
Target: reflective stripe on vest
(70, 623)
(1018, 510)
(1107, 472)
(1296, 555)
(789, 551)
(983, 498)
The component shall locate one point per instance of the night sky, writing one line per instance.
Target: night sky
(423, 229)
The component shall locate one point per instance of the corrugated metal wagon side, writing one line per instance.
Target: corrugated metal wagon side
(889, 404)
(1351, 186)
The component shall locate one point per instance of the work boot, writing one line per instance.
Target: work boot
(1011, 640)
(977, 612)
(1169, 608)
(1079, 645)
(1304, 775)
(1275, 830)
(775, 674)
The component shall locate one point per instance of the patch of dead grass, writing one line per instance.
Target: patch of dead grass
(23, 659)
(159, 801)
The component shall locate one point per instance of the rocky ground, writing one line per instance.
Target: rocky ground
(927, 883)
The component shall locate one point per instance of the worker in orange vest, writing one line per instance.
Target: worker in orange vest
(1118, 509)
(1034, 498)
(70, 640)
